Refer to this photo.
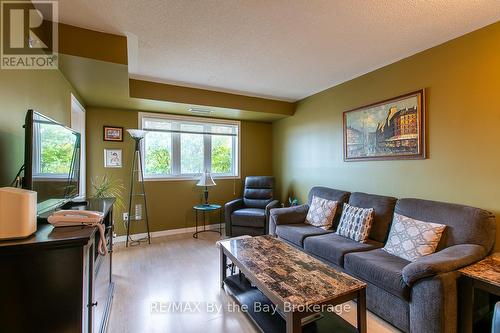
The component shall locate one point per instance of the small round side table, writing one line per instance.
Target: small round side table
(207, 209)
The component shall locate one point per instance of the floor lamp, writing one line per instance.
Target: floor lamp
(137, 175)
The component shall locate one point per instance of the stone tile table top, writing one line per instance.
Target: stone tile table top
(486, 270)
(290, 274)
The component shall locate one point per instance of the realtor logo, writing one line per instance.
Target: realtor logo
(29, 35)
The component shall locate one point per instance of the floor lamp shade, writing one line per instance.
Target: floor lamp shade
(206, 180)
(136, 133)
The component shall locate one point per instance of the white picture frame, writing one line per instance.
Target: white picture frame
(112, 158)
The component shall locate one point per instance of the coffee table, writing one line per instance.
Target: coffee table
(298, 284)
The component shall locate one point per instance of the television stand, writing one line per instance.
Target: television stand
(57, 279)
(75, 204)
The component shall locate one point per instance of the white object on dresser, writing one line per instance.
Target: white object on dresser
(17, 213)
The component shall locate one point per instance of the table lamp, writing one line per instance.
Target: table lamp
(206, 180)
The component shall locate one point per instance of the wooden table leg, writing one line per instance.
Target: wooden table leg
(223, 267)
(362, 311)
(465, 304)
(293, 322)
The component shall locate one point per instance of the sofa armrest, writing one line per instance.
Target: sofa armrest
(433, 303)
(231, 206)
(272, 205)
(446, 260)
(288, 215)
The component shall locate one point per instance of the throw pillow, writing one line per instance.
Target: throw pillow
(355, 223)
(411, 239)
(321, 213)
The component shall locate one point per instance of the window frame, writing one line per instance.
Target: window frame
(207, 147)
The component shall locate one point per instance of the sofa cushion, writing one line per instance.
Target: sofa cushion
(296, 233)
(465, 225)
(411, 239)
(249, 217)
(355, 223)
(379, 268)
(383, 210)
(331, 194)
(321, 213)
(333, 247)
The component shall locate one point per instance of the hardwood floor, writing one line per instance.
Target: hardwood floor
(181, 271)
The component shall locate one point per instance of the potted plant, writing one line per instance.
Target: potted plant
(293, 201)
(107, 187)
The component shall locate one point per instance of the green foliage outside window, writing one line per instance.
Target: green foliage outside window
(157, 161)
(56, 150)
(221, 158)
(159, 146)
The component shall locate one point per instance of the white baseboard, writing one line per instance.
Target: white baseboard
(162, 233)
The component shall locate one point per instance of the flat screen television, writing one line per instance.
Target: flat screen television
(51, 161)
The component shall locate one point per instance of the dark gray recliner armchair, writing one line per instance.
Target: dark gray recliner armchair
(250, 215)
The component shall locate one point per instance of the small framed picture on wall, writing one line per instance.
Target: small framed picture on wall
(112, 158)
(111, 133)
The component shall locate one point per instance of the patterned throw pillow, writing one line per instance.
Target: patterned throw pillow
(355, 223)
(321, 212)
(411, 239)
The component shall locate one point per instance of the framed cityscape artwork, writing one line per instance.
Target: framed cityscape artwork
(387, 130)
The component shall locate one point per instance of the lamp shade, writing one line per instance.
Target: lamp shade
(136, 133)
(206, 180)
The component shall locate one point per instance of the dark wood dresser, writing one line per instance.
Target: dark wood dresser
(56, 280)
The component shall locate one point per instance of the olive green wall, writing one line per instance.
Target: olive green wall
(462, 79)
(46, 91)
(170, 202)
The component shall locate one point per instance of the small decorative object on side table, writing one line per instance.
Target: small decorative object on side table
(204, 208)
(484, 275)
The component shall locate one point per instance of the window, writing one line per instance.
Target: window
(181, 147)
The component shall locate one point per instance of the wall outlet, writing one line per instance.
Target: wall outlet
(125, 216)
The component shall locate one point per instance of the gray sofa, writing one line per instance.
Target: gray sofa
(418, 296)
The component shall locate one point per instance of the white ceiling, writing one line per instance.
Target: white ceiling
(283, 49)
